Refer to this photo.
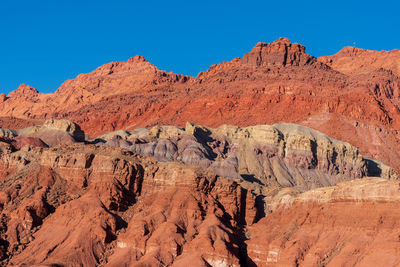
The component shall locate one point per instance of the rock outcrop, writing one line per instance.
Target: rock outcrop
(281, 154)
(142, 212)
(189, 195)
(276, 82)
(279, 53)
(22, 141)
(8, 133)
(51, 132)
(136, 211)
(352, 60)
(353, 223)
(24, 91)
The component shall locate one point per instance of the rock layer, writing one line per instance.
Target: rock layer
(279, 53)
(276, 82)
(355, 60)
(276, 155)
(201, 196)
(52, 132)
(142, 212)
(354, 223)
(136, 211)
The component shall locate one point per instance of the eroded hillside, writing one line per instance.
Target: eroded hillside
(168, 196)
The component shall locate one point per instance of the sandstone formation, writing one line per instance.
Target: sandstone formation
(89, 205)
(21, 141)
(356, 60)
(354, 223)
(154, 190)
(96, 205)
(23, 91)
(277, 82)
(8, 133)
(276, 155)
(280, 53)
(18, 123)
(50, 133)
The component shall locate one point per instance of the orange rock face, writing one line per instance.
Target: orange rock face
(65, 201)
(93, 205)
(87, 205)
(352, 60)
(277, 82)
(279, 53)
(17, 123)
(354, 223)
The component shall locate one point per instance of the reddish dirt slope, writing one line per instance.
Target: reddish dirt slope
(356, 60)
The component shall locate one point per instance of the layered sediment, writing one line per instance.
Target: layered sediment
(308, 177)
(145, 203)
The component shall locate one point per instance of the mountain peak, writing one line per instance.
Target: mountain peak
(278, 53)
(137, 59)
(281, 40)
(24, 90)
(352, 51)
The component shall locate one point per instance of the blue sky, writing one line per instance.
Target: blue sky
(43, 43)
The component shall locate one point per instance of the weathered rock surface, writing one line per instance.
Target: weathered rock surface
(354, 223)
(282, 154)
(8, 133)
(94, 205)
(245, 196)
(21, 141)
(276, 82)
(356, 60)
(136, 211)
(24, 91)
(52, 132)
(18, 123)
(279, 53)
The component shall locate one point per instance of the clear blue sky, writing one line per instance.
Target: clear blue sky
(43, 43)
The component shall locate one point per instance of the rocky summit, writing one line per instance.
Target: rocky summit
(277, 158)
(279, 53)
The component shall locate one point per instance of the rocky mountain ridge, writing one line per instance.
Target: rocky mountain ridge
(359, 107)
(307, 177)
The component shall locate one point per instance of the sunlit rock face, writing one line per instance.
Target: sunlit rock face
(282, 154)
(106, 171)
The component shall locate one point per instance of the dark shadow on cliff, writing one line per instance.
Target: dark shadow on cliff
(251, 178)
(373, 168)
